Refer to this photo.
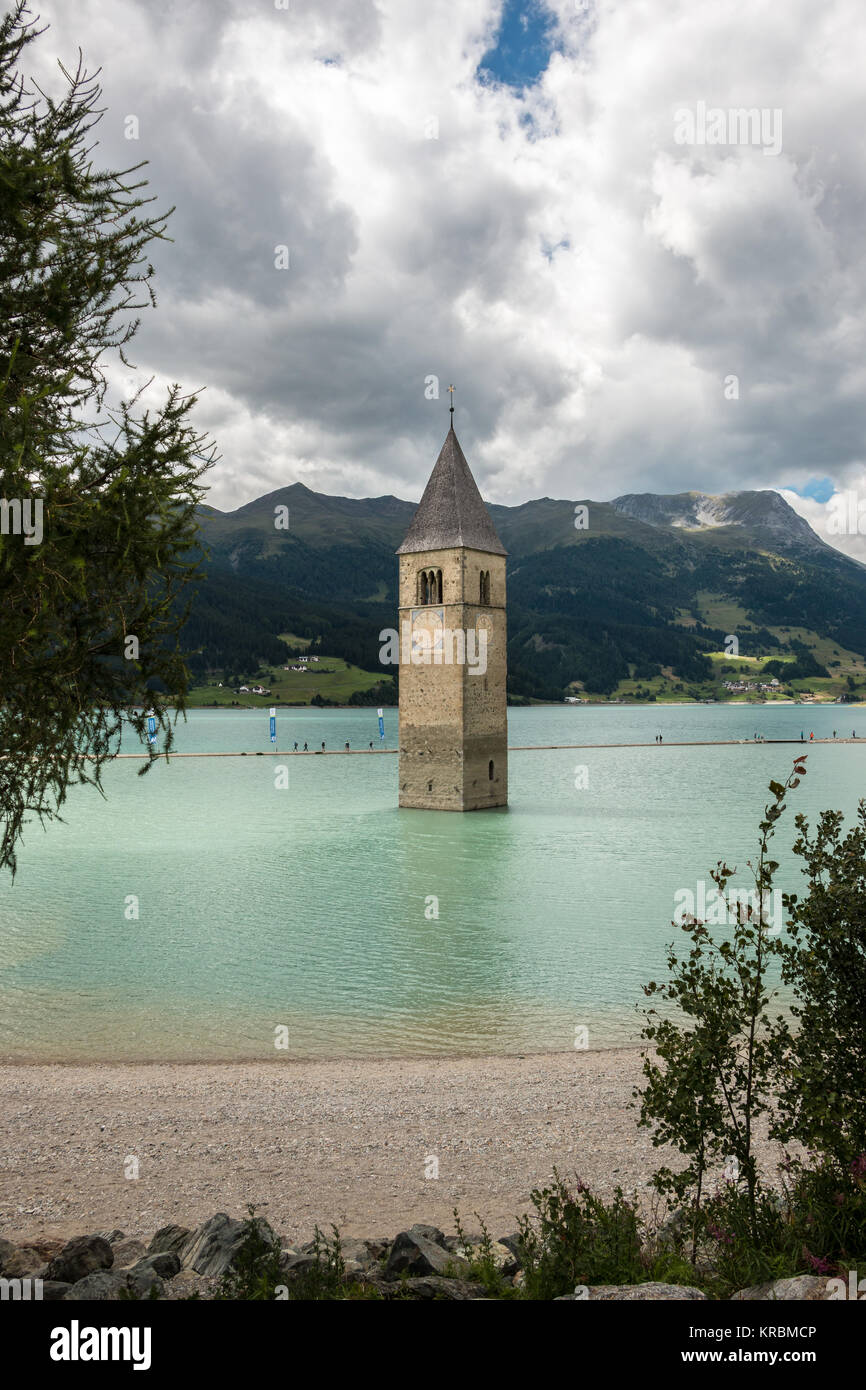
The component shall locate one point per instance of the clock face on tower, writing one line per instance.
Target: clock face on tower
(427, 628)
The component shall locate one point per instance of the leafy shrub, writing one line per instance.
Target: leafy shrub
(483, 1266)
(713, 1074)
(575, 1238)
(255, 1272)
(822, 1100)
(326, 1280)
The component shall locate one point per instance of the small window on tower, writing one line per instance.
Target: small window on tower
(490, 770)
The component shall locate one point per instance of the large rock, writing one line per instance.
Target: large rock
(80, 1257)
(297, 1261)
(428, 1232)
(127, 1252)
(504, 1259)
(53, 1290)
(362, 1254)
(212, 1248)
(110, 1285)
(808, 1287)
(435, 1287)
(636, 1293)
(144, 1282)
(169, 1238)
(426, 1287)
(99, 1286)
(359, 1257)
(22, 1262)
(414, 1252)
(165, 1264)
(46, 1247)
(514, 1243)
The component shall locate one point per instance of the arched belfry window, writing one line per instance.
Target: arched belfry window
(429, 586)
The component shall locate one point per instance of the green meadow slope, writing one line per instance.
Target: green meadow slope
(639, 602)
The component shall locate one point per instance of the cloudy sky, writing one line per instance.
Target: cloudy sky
(553, 206)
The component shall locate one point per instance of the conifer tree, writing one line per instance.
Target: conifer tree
(97, 494)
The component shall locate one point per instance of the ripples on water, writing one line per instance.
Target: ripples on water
(310, 907)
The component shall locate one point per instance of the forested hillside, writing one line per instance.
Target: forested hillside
(645, 591)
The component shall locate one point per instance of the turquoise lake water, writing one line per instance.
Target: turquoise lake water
(309, 906)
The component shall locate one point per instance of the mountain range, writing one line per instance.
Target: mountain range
(599, 593)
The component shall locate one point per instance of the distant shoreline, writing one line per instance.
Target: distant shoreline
(556, 704)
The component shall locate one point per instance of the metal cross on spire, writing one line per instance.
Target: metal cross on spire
(451, 391)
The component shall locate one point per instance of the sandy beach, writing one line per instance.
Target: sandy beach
(312, 1142)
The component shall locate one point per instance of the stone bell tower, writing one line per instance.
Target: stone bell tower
(453, 717)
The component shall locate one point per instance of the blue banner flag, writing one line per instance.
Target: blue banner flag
(151, 728)
(381, 725)
(273, 726)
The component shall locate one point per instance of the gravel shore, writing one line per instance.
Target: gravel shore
(347, 1142)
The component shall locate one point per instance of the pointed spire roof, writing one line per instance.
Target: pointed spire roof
(451, 513)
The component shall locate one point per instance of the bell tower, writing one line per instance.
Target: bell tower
(453, 715)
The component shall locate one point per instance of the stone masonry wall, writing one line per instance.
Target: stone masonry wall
(454, 723)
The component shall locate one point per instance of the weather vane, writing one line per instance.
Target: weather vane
(451, 390)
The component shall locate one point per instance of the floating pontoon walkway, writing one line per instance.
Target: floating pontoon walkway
(515, 748)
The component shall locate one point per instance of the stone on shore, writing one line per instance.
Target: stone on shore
(502, 1256)
(127, 1252)
(53, 1290)
(360, 1255)
(212, 1248)
(810, 1288)
(421, 1263)
(21, 1262)
(635, 1293)
(514, 1243)
(421, 1251)
(81, 1256)
(165, 1264)
(426, 1288)
(297, 1261)
(110, 1285)
(169, 1238)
